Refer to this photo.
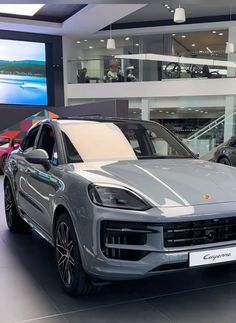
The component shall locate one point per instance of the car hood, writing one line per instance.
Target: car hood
(167, 182)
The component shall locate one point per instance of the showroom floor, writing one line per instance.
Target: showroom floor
(30, 291)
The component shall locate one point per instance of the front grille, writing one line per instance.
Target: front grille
(124, 240)
(192, 233)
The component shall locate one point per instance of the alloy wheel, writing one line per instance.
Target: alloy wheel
(65, 254)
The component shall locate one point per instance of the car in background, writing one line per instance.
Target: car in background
(226, 153)
(7, 145)
(119, 199)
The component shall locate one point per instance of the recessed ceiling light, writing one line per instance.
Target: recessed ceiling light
(172, 112)
(167, 112)
(127, 38)
(172, 10)
(85, 40)
(102, 40)
(200, 51)
(183, 36)
(197, 110)
(160, 111)
(182, 107)
(90, 47)
(78, 42)
(205, 112)
(173, 35)
(213, 32)
(193, 45)
(20, 9)
(221, 34)
(166, 5)
(189, 109)
(202, 111)
(137, 44)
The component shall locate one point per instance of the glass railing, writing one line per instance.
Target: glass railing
(110, 69)
(205, 141)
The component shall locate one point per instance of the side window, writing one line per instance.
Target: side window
(29, 140)
(47, 141)
(71, 152)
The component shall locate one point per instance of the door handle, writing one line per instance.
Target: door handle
(28, 171)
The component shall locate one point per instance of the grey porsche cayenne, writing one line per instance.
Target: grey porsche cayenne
(119, 199)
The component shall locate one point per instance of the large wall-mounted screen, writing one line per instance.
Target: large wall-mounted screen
(23, 73)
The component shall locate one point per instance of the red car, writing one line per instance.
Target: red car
(7, 145)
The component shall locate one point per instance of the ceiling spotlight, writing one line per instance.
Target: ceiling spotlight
(197, 110)
(172, 11)
(193, 45)
(205, 112)
(166, 5)
(160, 111)
(179, 16)
(137, 44)
(90, 47)
(85, 40)
(127, 38)
(213, 32)
(111, 44)
(229, 48)
(173, 35)
(183, 36)
(167, 112)
(102, 40)
(78, 42)
(200, 51)
(221, 34)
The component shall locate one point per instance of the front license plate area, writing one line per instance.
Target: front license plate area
(212, 256)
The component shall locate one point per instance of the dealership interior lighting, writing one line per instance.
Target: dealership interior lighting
(20, 9)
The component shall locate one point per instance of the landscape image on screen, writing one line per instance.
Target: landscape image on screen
(23, 73)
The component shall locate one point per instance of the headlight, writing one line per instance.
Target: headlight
(115, 197)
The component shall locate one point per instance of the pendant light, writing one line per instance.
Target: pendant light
(179, 16)
(111, 44)
(229, 48)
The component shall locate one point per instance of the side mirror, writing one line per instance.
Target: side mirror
(38, 156)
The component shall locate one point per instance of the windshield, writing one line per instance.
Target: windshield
(99, 141)
(4, 142)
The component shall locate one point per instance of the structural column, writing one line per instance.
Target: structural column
(145, 113)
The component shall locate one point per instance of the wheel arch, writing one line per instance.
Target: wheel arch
(60, 209)
(221, 157)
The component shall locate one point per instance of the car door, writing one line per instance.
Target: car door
(19, 166)
(42, 184)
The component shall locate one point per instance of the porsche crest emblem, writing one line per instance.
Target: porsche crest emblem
(206, 196)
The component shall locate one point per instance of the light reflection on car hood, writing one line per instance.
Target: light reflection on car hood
(167, 182)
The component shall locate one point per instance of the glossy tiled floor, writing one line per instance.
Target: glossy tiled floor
(30, 291)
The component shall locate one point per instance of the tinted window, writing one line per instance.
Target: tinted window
(29, 140)
(47, 140)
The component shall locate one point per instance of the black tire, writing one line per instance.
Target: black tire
(74, 280)
(14, 221)
(173, 70)
(2, 164)
(224, 161)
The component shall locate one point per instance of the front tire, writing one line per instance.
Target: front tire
(72, 275)
(14, 222)
(224, 161)
(2, 164)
